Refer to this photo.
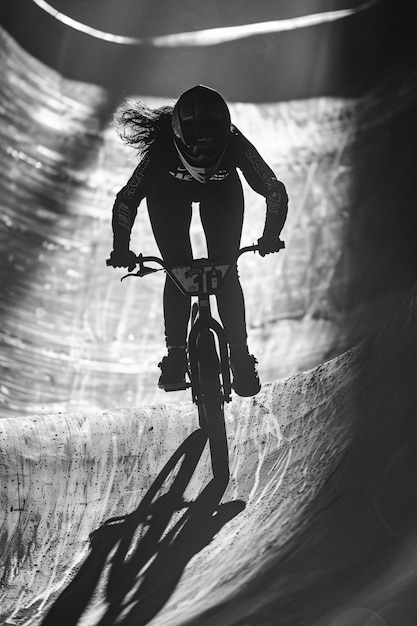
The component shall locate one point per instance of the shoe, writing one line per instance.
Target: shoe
(245, 375)
(174, 367)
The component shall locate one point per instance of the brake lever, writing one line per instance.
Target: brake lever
(142, 271)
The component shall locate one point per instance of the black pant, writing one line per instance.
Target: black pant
(221, 212)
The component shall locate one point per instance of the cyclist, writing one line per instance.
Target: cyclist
(189, 153)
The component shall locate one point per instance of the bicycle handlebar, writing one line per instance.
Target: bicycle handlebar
(140, 259)
(202, 281)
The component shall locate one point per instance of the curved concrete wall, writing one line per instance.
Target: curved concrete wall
(318, 516)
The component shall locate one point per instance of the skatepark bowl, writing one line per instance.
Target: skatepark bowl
(113, 517)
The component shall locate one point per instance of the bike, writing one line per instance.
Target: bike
(207, 347)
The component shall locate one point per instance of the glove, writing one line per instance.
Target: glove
(123, 258)
(267, 245)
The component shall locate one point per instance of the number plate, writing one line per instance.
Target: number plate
(200, 280)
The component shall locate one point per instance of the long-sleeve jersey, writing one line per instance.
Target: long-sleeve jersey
(240, 154)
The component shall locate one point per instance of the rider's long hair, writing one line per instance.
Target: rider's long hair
(138, 125)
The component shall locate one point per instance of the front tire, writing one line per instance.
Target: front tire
(211, 404)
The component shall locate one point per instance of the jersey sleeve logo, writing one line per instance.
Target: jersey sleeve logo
(258, 165)
(274, 201)
(124, 215)
(136, 179)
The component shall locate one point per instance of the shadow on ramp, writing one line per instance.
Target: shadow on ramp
(137, 560)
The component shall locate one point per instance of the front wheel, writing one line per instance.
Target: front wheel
(211, 404)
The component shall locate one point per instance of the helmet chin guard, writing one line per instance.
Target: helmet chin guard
(201, 174)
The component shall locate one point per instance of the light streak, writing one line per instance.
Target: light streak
(210, 36)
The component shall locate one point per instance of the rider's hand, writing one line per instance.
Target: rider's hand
(267, 245)
(123, 258)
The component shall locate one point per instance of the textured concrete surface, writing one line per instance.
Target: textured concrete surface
(113, 518)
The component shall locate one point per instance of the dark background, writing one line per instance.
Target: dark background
(341, 58)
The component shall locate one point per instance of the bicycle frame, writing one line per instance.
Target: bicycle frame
(203, 278)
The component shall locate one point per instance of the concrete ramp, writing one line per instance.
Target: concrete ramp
(113, 517)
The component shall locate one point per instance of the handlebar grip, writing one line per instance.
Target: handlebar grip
(255, 248)
(110, 264)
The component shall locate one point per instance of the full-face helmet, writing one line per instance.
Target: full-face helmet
(201, 127)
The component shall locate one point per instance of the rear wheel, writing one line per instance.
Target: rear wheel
(211, 404)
